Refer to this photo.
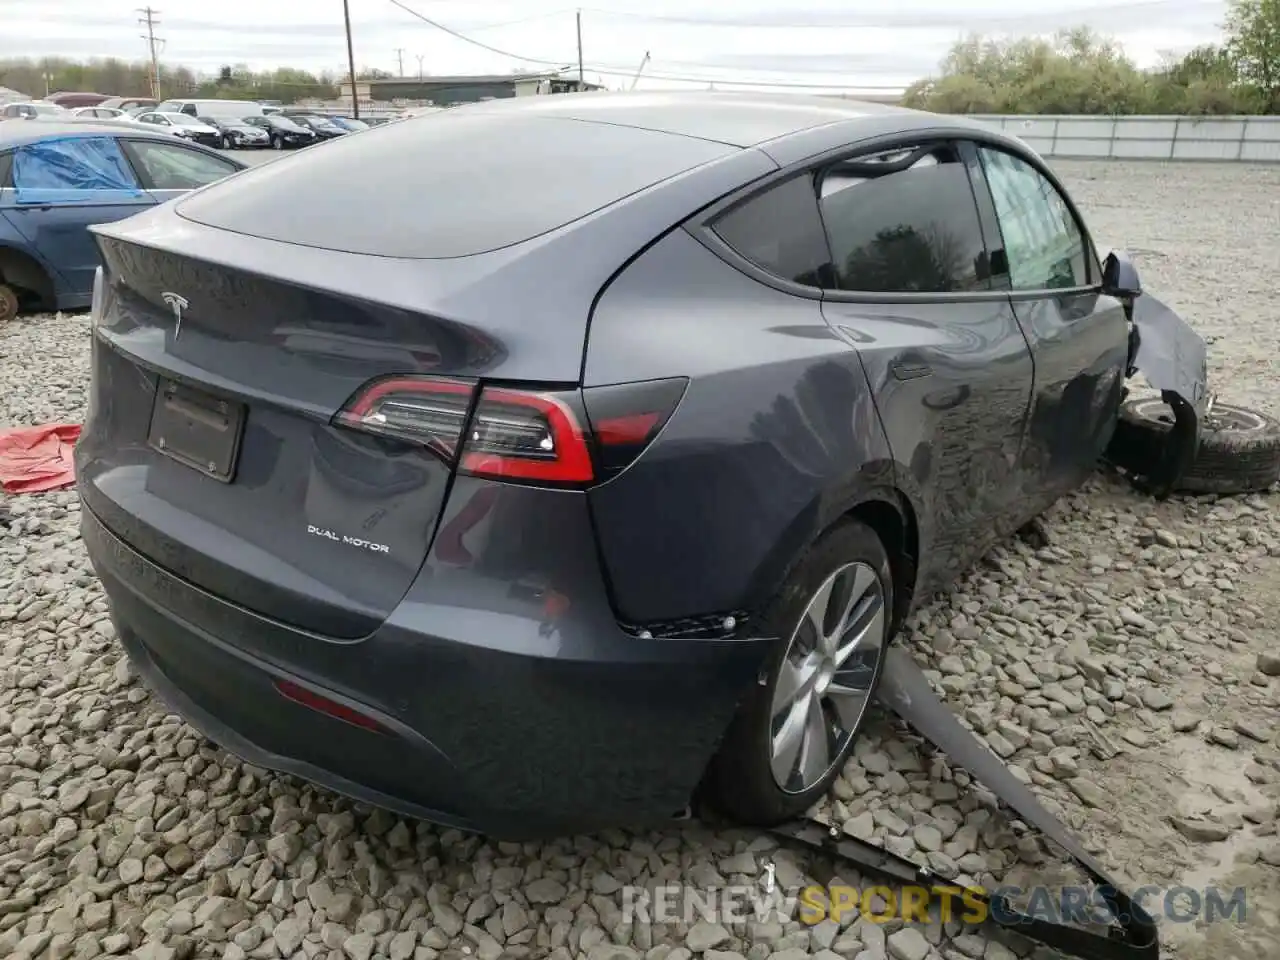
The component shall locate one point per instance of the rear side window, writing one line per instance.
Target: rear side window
(71, 170)
(905, 222)
(448, 185)
(167, 166)
(780, 231)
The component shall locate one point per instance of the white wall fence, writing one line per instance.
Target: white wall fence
(1230, 139)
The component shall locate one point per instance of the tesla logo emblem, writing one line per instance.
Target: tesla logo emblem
(177, 304)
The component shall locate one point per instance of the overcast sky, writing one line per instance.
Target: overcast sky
(816, 43)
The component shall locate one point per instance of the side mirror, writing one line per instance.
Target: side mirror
(1120, 277)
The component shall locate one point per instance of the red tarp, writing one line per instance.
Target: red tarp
(35, 459)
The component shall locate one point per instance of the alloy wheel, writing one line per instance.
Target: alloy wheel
(827, 676)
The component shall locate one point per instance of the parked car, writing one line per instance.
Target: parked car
(32, 110)
(323, 127)
(212, 108)
(100, 113)
(350, 125)
(71, 101)
(283, 133)
(238, 134)
(181, 125)
(56, 179)
(129, 103)
(538, 583)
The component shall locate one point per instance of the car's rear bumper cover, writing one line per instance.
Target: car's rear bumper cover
(512, 710)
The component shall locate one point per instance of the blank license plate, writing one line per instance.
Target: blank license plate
(197, 429)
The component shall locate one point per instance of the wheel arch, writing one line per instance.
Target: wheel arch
(20, 269)
(889, 514)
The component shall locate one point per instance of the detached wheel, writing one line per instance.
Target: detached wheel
(1239, 448)
(793, 734)
(8, 303)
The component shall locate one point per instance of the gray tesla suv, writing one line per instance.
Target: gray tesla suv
(536, 466)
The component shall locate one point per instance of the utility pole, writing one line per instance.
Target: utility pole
(351, 61)
(420, 59)
(580, 77)
(149, 19)
(400, 60)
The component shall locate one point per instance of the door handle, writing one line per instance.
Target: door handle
(910, 370)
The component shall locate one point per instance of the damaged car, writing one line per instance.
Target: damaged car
(533, 504)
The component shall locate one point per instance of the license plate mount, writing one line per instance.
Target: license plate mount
(197, 429)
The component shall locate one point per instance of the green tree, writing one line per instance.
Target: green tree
(1076, 71)
(1079, 71)
(1253, 30)
(122, 78)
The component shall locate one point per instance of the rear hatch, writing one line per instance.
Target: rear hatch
(243, 345)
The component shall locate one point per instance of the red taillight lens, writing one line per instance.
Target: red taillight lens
(516, 434)
(626, 417)
(427, 410)
(526, 436)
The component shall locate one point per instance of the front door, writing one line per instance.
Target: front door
(60, 189)
(948, 365)
(1078, 337)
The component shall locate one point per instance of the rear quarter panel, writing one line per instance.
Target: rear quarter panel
(776, 434)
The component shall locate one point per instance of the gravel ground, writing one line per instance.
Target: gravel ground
(1125, 667)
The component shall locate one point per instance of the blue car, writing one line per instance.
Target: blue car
(57, 179)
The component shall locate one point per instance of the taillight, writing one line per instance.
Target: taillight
(523, 435)
(540, 436)
(626, 417)
(428, 410)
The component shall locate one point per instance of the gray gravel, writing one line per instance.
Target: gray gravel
(1125, 667)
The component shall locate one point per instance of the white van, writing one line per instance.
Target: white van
(232, 109)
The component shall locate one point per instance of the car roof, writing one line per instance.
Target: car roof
(744, 119)
(15, 134)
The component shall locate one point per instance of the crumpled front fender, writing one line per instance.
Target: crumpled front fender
(1174, 360)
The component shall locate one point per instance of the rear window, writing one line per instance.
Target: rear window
(446, 185)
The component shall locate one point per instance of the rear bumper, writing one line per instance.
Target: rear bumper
(515, 711)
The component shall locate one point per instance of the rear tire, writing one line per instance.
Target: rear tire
(753, 779)
(1239, 448)
(9, 303)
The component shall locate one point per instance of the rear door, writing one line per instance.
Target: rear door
(950, 368)
(1078, 337)
(60, 188)
(168, 170)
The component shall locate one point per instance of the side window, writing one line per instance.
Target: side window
(1044, 244)
(905, 221)
(167, 166)
(6, 169)
(71, 170)
(780, 231)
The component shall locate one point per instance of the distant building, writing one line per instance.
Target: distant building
(447, 91)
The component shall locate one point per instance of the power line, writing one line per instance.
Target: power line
(857, 21)
(619, 71)
(475, 43)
